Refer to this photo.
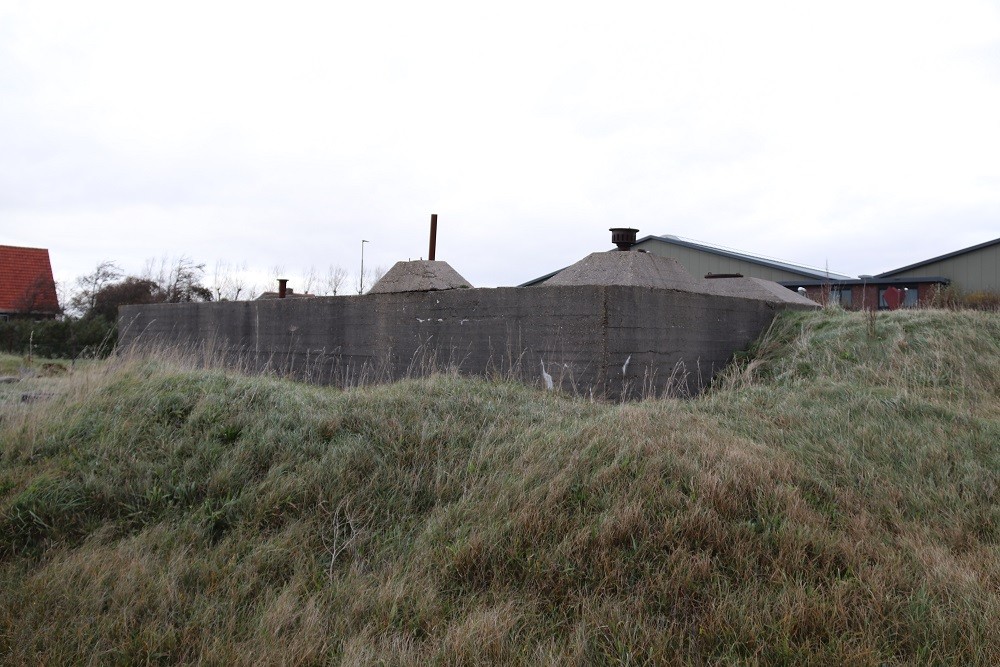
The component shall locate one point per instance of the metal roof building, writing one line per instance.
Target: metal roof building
(702, 259)
(972, 269)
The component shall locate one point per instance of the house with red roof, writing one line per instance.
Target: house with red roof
(27, 289)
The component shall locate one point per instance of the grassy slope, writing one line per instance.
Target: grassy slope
(835, 501)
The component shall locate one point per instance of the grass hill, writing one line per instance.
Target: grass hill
(835, 499)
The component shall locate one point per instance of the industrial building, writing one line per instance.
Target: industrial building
(973, 269)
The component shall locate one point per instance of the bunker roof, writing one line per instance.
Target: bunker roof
(756, 288)
(419, 276)
(805, 271)
(641, 269)
(637, 269)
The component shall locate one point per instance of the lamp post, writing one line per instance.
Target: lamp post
(361, 278)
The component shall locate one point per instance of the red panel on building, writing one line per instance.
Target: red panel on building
(893, 297)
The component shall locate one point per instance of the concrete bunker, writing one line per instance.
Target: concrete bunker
(618, 325)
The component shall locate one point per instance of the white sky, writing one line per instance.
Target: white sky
(859, 135)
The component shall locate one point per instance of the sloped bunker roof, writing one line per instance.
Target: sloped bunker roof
(758, 289)
(419, 276)
(641, 269)
(637, 269)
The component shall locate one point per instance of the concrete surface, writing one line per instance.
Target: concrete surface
(610, 341)
(637, 269)
(756, 288)
(640, 269)
(419, 276)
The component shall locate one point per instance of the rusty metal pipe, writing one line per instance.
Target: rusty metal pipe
(434, 237)
(282, 287)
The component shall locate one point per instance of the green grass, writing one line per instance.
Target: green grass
(833, 500)
(14, 365)
(10, 364)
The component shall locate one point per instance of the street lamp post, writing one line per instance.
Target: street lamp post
(361, 278)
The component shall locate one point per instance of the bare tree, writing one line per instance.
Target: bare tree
(183, 283)
(334, 279)
(228, 282)
(156, 270)
(369, 278)
(63, 292)
(89, 285)
(309, 280)
(179, 280)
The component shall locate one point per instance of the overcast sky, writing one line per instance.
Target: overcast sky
(858, 135)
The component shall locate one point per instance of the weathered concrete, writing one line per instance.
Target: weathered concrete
(419, 276)
(640, 269)
(756, 288)
(637, 269)
(606, 341)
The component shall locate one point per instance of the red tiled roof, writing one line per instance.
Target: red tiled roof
(26, 284)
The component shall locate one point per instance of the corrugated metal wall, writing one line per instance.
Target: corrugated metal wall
(975, 271)
(699, 263)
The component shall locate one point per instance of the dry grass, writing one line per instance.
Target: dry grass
(833, 500)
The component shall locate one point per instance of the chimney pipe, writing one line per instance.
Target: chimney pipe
(623, 237)
(282, 287)
(434, 237)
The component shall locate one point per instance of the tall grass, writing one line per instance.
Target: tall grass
(832, 500)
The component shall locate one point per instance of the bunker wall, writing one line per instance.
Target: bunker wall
(614, 341)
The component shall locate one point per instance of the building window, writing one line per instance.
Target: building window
(841, 294)
(910, 297)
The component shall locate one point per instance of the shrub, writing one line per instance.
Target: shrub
(68, 338)
(983, 300)
(947, 297)
(952, 298)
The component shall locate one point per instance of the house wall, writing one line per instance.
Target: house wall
(865, 297)
(699, 263)
(927, 293)
(975, 271)
(818, 293)
(614, 342)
